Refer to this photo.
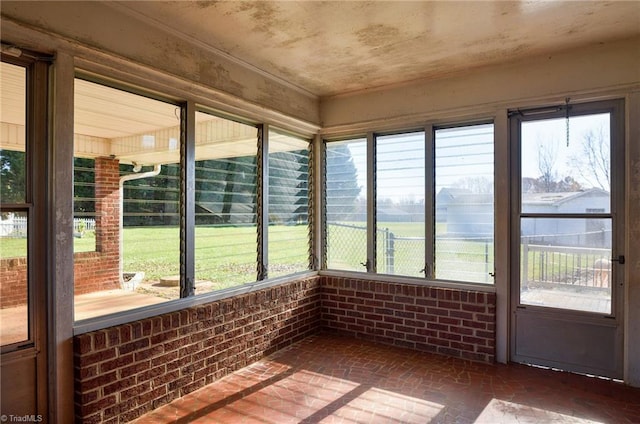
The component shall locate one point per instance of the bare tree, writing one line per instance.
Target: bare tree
(481, 185)
(593, 163)
(546, 165)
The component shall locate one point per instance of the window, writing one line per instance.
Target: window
(14, 208)
(346, 204)
(126, 200)
(160, 213)
(434, 205)
(225, 203)
(464, 203)
(400, 206)
(288, 237)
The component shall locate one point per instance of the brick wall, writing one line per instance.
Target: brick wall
(93, 271)
(452, 322)
(13, 282)
(100, 270)
(125, 371)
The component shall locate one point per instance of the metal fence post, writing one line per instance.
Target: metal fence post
(525, 265)
(390, 251)
(486, 259)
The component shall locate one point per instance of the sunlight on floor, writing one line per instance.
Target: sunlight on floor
(500, 411)
(388, 407)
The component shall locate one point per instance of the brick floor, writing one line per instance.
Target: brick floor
(331, 379)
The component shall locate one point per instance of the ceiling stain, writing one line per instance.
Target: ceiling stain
(202, 4)
(377, 35)
(220, 77)
(332, 47)
(264, 15)
(295, 40)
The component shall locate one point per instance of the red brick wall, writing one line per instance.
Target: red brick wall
(94, 271)
(100, 270)
(107, 184)
(13, 282)
(125, 371)
(452, 322)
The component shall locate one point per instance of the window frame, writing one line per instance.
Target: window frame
(429, 130)
(264, 177)
(188, 108)
(324, 203)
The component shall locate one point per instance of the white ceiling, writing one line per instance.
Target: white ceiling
(332, 47)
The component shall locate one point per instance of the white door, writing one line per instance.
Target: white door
(567, 237)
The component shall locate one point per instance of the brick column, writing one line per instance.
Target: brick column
(100, 270)
(107, 175)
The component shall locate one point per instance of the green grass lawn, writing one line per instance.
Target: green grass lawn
(224, 255)
(227, 255)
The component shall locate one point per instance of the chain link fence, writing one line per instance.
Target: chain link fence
(346, 246)
(468, 259)
(458, 259)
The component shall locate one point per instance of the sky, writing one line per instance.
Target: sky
(460, 152)
(468, 151)
(551, 134)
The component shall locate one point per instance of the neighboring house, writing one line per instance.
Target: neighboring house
(446, 196)
(468, 214)
(567, 232)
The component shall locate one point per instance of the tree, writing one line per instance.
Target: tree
(342, 183)
(226, 188)
(476, 185)
(12, 176)
(288, 186)
(593, 163)
(84, 190)
(546, 165)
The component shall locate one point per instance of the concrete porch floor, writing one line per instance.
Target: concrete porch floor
(13, 321)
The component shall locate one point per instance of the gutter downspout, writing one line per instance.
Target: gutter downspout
(123, 179)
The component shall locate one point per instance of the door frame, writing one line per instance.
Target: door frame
(611, 325)
(36, 175)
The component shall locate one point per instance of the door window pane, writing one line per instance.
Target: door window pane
(560, 176)
(288, 241)
(226, 203)
(400, 190)
(126, 200)
(464, 203)
(565, 263)
(13, 95)
(14, 302)
(346, 204)
(14, 313)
